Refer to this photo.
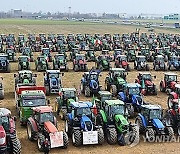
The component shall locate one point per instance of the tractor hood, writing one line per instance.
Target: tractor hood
(158, 124)
(122, 119)
(50, 127)
(148, 83)
(94, 84)
(136, 99)
(172, 84)
(86, 123)
(121, 81)
(105, 63)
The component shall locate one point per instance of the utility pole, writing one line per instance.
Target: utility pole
(69, 12)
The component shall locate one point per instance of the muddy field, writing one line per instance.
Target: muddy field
(72, 79)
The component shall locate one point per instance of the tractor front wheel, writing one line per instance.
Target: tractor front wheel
(139, 123)
(65, 140)
(100, 136)
(134, 135)
(30, 132)
(150, 135)
(113, 90)
(112, 136)
(162, 89)
(170, 104)
(87, 92)
(15, 144)
(40, 141)
(77, 138)
(170, 132)
(130, 110)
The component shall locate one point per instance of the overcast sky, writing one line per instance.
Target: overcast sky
(95, 6)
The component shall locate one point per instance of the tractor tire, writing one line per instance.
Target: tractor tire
(165, 67)
(121, 140)
(99, 120)
(38, 68)
(156, 68)
(100, 136)
(40, 140)
(86, 68)
(147, 67)
(30, 132)
(155, 90)
(134, 135)
(66, 141)
(15, 144)
(77, 138)
(151, 58)
(113, 90)
(150, 135)
(63, 113)
(107, 85)
(170, 98)
(1, 94)
(76, 68)
(130, 111)
(87, 91)
(19, 67)
(128, 68)
(166, 58)
(170, 132)
(82, 87)
(67, 127)
(162, 89)
(8, 68)
(47, 90)
(139, 123)
(178, 131)
(111, 136)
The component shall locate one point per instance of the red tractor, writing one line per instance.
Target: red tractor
(9, 143)
(147, 86)
(121, 62)
(42, 126)
(79, 63)
(168, 84)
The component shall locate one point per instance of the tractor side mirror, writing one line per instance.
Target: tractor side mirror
(62, 74)
(14, 118)
(15, 75)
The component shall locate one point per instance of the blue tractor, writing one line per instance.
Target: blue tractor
(4, 63)
(131, 95)
(90, 82)
(80, 125)
(174, 63)
(52, 81)
(150, 122)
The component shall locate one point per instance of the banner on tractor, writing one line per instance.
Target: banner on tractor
(90, 137)
(56, 139)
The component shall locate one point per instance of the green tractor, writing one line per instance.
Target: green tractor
(147, 53)
(60, 62)
(90, 55)
(115, 80)
(113, 116)
(66, 96)
(23, 63)
(103, 63)
(41, 64)
(131, 55)
(28, 52)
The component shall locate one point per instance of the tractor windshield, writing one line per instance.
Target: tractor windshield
(172, 78)
(34, 102)
(155, 114)
(23, 59)
(93, 77)
(79, 57)
(123, 58)
(46, 51)
(4, 121)
(83, 111)
(105, 97)
(69, 94)
(53, 75)
(60, 57)
(147, 76)
(134, 90)
(47, 116)
(118, 73)
(117, 110)
(142, 59)
(9, 51)
(3, 58)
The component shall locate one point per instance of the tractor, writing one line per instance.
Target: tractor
(131, 95)
(28, 52)
(117, 52)
(80, 124)
(140, 63)
(52, 81)
(9, 142)
(41, 64)
(147, 53)
(147, 86)
(66, 96)
(25, 77)
(79, 63)
(23, 63)
(160, 51)
(168, 84)
(150, 123)
(113, 116)
(107, 54)
(73, 53)
(4, 63)
(90, 82)
(11, 54)
(159, 63)
(103, 63)
(46, 53)
(59, 62)
(27, 97)
(174, 63)
(90, 55)
(115, 80)
(131, 55)
(121, 62)
(1, 89)
(42, 127)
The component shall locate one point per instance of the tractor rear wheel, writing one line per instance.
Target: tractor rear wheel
(15, 144)
(77, 137)
(150, 135)
(67, 126)
(162, 89)
(65, 140)
(155, 90)
(8, 68)
(76, 68)
(111, 136)
(38, 68)
(30, 132)
(170, 132)
(170, 104)
(113, 90)
(47, 90)
(130, 110)
(100, 136)
(139, 123)
(40, 141)
(134, 135)
(87, 91)
(147, 67)
(107, 85)
(1, 94)
(63, 113)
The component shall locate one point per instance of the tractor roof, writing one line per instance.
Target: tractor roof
(151, 106)
(52, 71)
(170, 73)
(4, 112)
(122, 56)
(79, 55)
(45, 48)
(177, 86)
(104, 93)
(159, 56)
(81, 104)
(140, 56)
(145, 73)
(114, 102)
(68, 89)
(117, 69)
(95, 73)
(3, 55)
(23, 56)
(25, 71)
(42, 109)
(133, 85)
(61, 54)
(32, 93)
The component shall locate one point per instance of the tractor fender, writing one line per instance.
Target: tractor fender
(143, 120)
(82, 80)
(69, 116)
(12, 125)
(163, 84)
(135, 100)
(175, 95)
(33, 124)
(137, 81)
(83, 121)
(103, 116)
(122, 96)
(157, 123)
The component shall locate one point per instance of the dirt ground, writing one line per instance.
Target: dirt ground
(72, 79)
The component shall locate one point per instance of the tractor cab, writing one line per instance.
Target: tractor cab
(23, 59)
(59, 57)
(121, 58)
(145, 76)
(5, 117)
(117, 72)
(27, 51)
(144, 51)
(140, 59)
(41, 58)
(45, 51)
(68, 93)
(159, 59)
(132, 89)
(159, 51)
(79, 57)
(170, 77)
